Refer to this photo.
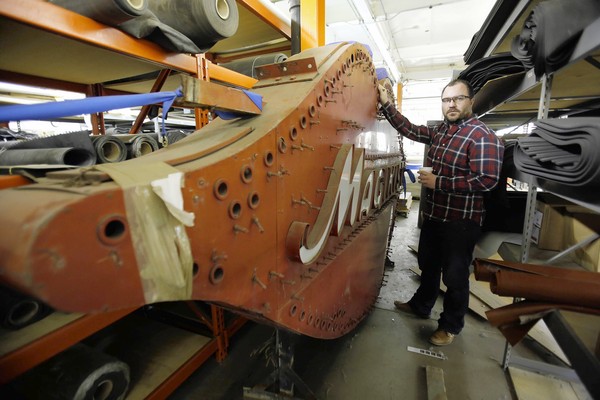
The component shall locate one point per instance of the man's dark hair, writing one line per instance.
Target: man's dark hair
(457, 81)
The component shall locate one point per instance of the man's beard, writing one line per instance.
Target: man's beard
(460, 115)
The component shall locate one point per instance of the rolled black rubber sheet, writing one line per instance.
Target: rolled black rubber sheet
(492, 67)
(73, 148)
(550, 32)
(110, 12)
(563, 151)
(186, 26)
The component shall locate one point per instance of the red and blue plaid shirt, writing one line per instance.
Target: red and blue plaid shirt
(467, 159)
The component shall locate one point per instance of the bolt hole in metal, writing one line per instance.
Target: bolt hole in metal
(195, 269)
(222, 9)
(24, 312)
(302, 315)
(327, 90)
(303, 121)
(111, 230)
(246, 174)
(216, 274)
(293, 310)
(293, 133)
(282, 145)
(312, 110)
(339, 74)
(269, 158)
(235, 209)
(319, 100)
(253, 200)
(103, 390)
(221, 188)
(310, 319)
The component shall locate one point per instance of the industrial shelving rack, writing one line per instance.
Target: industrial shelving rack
(526, 98)
(47, 46)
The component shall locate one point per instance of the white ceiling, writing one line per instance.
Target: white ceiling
(425, 39)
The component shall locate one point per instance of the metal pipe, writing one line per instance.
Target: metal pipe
(295, 18)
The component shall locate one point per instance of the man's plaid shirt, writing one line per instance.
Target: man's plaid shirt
(467, 159)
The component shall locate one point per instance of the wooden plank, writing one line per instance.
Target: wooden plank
(153, 351)
(436, 389)
(13, 340)
(533, 386)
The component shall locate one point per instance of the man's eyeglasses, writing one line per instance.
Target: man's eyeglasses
(456, 99)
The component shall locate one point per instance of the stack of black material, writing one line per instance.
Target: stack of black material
(550, 32)
(563, 151)
(492, 67)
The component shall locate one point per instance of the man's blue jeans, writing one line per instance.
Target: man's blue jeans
(446, 253)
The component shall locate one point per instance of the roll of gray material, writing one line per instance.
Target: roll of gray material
(78, 373)
(138, 144)
(550, 32)
(78, 140)
(18, 310)
(186, 26)
(141, 144)
(173, 136)
(563, 151)
(205, 22)
(148, 26)
(109, 12)
(55, 156)
(109, 149)
(247, 66)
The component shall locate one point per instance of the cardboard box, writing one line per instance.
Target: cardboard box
(549, 222)
(578, 227)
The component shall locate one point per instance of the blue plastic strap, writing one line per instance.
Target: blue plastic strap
(382, 73)
(90, 105)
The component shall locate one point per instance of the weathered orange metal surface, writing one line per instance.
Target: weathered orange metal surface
(292, 208)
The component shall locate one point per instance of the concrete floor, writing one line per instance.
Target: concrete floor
(372, 362)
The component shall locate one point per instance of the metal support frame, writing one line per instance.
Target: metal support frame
(95, 90)
(219, 331)
(283, 379)
(583, 361)
(158, 84)
(544, 106)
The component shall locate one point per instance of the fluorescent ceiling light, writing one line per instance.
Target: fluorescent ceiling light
(373, 30)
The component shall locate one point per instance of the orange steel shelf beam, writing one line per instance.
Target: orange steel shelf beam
(38, 351)
(8, 181)
(312, 24)
(55, 19)
(216, 72)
